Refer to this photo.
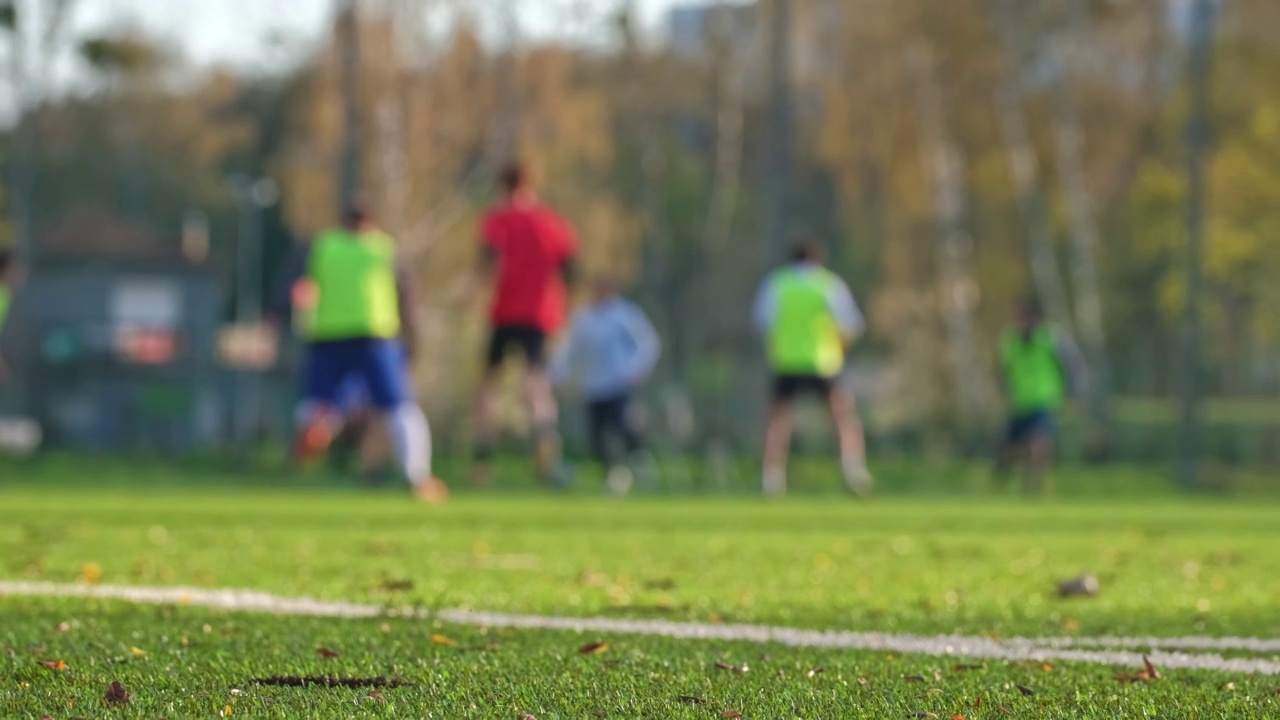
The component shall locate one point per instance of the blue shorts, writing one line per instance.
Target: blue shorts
(353, 393)
(1030, 425)
(372, 366)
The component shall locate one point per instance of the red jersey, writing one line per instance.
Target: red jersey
(530, 244)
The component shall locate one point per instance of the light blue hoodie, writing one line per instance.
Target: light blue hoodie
(611, 348)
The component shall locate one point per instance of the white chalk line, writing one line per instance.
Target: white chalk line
(1164, 652)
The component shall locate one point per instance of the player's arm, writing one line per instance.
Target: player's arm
(569, 271)
(845, 311)
(764, 307)
(284, 294)
(568, 260)
(648, 346)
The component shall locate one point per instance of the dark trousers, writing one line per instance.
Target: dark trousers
(609, 418)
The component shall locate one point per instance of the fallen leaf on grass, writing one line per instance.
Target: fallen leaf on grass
(1229, 686)
(690, 700)
(922, 715)
(376, 696)
(969, 666)
(58, 665)
(395, 585)
(1148, 672)
(64, 627)
(116, 694)
(442, 640)
(816, 671)
(1026, 690)
(1046, 667)
(593, 648)
(957, 717)
(90, 573)
(137, 652)
(977, 702)
(225, 712)
(730, 714)
(526, 716)
(326, 653)
(932, 691)
(862, 681)
(1151, 669)
(1084, 586)
(913, 678)
(741, 669)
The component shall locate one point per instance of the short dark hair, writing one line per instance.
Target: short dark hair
(357, 213)
(804, 248)
(1032, 308)
(514, 176)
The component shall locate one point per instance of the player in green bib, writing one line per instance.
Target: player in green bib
(1037, 364)
(808, 319)
(353, 328)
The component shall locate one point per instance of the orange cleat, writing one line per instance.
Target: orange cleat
(432, 491)
(313, 440)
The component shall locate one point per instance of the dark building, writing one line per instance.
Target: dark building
(119, 340)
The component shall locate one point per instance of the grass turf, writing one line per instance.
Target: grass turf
(968, 565)
(189, 662)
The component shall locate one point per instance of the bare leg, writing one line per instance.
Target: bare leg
(777, 445)
(481, 471)
(542, 407)
(1006, 458)
(853, 447)
(1039, 456)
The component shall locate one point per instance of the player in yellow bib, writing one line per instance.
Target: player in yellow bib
(808, 319)
(1039, 366)
(353, 330)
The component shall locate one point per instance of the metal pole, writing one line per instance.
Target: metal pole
(245, 408)
(252, 197)
(1190, 390)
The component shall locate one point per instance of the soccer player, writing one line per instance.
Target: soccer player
(1038, 365)
(354, 330)
(611, 349)
(528, 258)
(808, 319)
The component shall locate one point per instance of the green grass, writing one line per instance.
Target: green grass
(196, 663)
(977, 564)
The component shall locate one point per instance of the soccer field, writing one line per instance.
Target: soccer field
(979, 568)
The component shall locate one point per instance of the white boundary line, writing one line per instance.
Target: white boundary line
(1164, 652)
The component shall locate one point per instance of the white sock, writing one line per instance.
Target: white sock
(854, 468)
(411, 442)
(773, 481)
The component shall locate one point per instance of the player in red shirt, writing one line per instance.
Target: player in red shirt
(528, 256)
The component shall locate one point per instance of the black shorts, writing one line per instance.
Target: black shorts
(529, 340)
(788, 387)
